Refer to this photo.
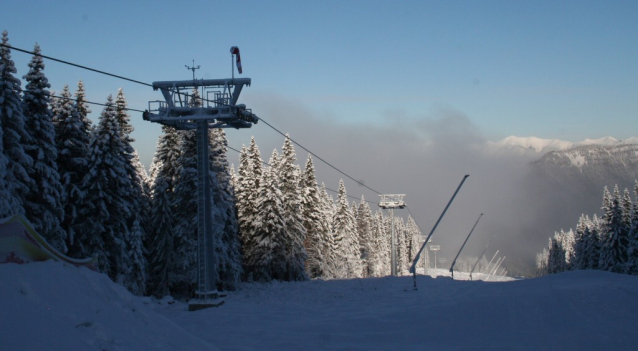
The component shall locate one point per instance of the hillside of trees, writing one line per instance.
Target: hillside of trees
(608, 243)
(84, 189)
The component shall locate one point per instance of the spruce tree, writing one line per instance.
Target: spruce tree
(42, 202)
(104, 212)
(593, 247)
(580, 241)
(615, 240)
(414, 240)
(376, 255)
(270, 225)
(244, 189)
(347, 255)
(632, 252)
(401, 245)
(541, 262)
(15, 161)
(626, 223)
(167, 152)
(72, 136)
(364, 223)
(315, 223)
(292, 243)
(161, 253)
(329, 248)
(556, 261)
(249, 178)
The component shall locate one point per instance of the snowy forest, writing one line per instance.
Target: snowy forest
(609, 243)
(83, 188)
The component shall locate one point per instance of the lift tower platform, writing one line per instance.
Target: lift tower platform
(392, 201)
(218, 109)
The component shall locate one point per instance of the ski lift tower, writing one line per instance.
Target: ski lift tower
(218, 109)
(392, 201)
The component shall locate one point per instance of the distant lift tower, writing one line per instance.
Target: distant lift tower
(219, 109)
(392, 201)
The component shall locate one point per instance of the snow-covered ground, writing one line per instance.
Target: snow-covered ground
(53, 306)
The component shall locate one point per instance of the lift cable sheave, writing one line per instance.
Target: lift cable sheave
(219, 105)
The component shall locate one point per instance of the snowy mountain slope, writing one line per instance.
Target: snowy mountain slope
(537, 146)
(533, 144)
(590, 168)
(76, 309)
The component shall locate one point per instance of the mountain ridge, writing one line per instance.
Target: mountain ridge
(535, 145)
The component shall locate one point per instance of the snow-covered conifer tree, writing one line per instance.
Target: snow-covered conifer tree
(541, 262)
(42, 202)
(626, 221)
(103, 210)
(593, 244)
(556, 262)
(292, 243)
(364, 228)
(414, 240)
(347, 255)
(269, 225)
(159, 243)
(245, 208)
(401, 234)
(632, 252)
(161, 253)
(166, 155)
(376, 255)
(15, 161)
(135, 276)
(315, 222)
(579, 261)
(247, 192)
(615, 241)
(329, 248)
(72, 135)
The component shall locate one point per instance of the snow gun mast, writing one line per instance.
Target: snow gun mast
(217, 104)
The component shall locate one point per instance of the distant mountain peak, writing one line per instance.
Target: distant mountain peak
(535, 145)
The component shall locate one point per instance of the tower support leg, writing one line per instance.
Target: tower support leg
(206, 294)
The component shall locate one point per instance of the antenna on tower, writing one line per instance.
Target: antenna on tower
(192, 68)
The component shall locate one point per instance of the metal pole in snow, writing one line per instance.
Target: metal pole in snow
(418, 255)
(487, 269)
(393, 246)
(499, 265)
(462, 246)
(480, 256)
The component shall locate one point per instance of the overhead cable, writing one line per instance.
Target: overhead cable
(150, 85)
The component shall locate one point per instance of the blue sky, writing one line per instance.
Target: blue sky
(509, 65)
(551, 69)
(370, 85)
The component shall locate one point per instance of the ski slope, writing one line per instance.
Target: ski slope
(56, 306)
